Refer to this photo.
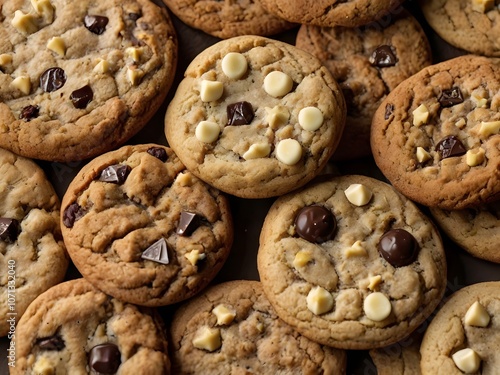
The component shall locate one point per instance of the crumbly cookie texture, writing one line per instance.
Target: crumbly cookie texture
(463, 336)
(255, 117)
(368, 62)
(346, 275)
(250, 337)
(141, 228)
(74, 328)
(33, 256)
(436, 136)
(80, 78)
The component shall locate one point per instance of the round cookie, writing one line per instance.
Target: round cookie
(33, 256)
(464, 337)
(436, 136)
(80, 78)
(351, 263)
(232, 327)
(74, 328)
(141, 228)
(224, 19)
(255, 117)
(367, 62)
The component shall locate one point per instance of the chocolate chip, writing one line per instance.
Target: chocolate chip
(116, 174)
(389, 108)
(82, 97)
(9, 229)
(158, 153)
(29, 112)
(157, 252)
(105, 358)
(71, 214)
(398, 247)
(188, 222)
(52, 79)
(55, 343)
(451, 97)
(383, 56)
(449, 147)
(96, 24)
(240, 113)
(315, 224)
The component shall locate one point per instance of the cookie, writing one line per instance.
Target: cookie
(232, 328)
(228, 19)
(436, 136)
(351, 263)
(255, 117)
(74, 328)
(368, 62)
(463, 336)
(141, 228)
(33, 256)
(80, 78)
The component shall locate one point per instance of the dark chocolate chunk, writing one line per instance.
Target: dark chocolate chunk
(240, 113)
(158, 153)
(451, 97)
(398, 247)
(55, 343)
(116, 174)
(157, 252)
(383, 56)
(71, 214)
(96, 24)
(449, 147)
(29, 112)
(105, 358)
(315, 224)
(52, 79)
(9, 229)
(188, 222)
(389, 108)
(82, 97)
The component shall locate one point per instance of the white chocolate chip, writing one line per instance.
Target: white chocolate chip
(134, 75)
(377, 306)
(319, 300)
(461, 123)
(477, 316)
(374, 282)
(234, 65)
(24, 23)
(310, 118)
(102, 66)
(355, 250)
(422, 155)
(257, 150)
(277, 116)
(482, 6)
(194, 256)
(260, 327)
(358, 194)
(475, 157)
(278, 84)
(57, 45)
(467, 360)
(211, 90)
(420, 115)
(302, 258)
(134, 53)
(489, 128)
(185, 179)
(43, 367)
(479, 97)
(289, 151)
(208, 339)
(207, 131)
(5, 59)
(23, 84)
(44, 8)
(224, 315)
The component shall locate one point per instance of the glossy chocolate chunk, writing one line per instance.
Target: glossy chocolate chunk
(29, 112)
(449, 147)
(116, 174)
(157, 252)
(158, 153)
(55, 343)
(105, 358)
(451, 97)
(383, 56)
(240, 113)
(96, 24)
(398, 247)
(52, 79)
(188, 222)
(389, 108)
(315, 224)
(9, 229)
(82, 97)
(71, 214)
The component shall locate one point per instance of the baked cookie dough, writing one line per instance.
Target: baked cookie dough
(436, 137)
(32, 253)
(232, 327)
(367, 62)
(351, 263)
(73, 328)
(79, 78)
(255, 117)
(143, 229)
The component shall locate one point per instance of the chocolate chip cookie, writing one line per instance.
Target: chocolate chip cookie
(143, 229)
(80, 78)
(255, 117)
(351, 263)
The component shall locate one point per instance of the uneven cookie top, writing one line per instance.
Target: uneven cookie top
(464, 336)
(232, 328)
(141, 228)
(74, 328)
(436, 136)
(255, 117)
(32, 253)
(80, 78)
(368, 62)
(351, 263)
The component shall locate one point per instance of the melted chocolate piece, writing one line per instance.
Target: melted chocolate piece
(188, 222)
(71, 214)
(389, 108)
(55, 343)
(398, 247)
(449, 147)
(315, 224)
(82, 97)
(9, 229)
(451, 97)
(116, 174)
(383, 56)
(158, 153)
(96, 24)
(157, 252)
(52, 79)
(240, 113)
(105, 358)
(29, 112)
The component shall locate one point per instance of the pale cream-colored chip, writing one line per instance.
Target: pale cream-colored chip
(422, 155)
(185, 179)
(24, 23)
(23, 84)
(102, 66)
(377, 306)
(489, 128)
(257, 150)
(44, 8)
(289, 151)
(234, 65)
(358, 194)
(57, 45)
(475, 157)
(224, 314)
(134, 53)
(479, 97)
(482, 6)
(278, 84)
(208, 339)
(467, 360)
(260, 327)
(302, 258)
(420, 115)
(319, 300)
(207, 131)
(477, 316)
(134, 75)
(310, 118)
(43, 366)
(211, 90)
(461, 123)
(277, 116)
(355, 250)
(5, 59)
(374, 282)
(194, 256)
